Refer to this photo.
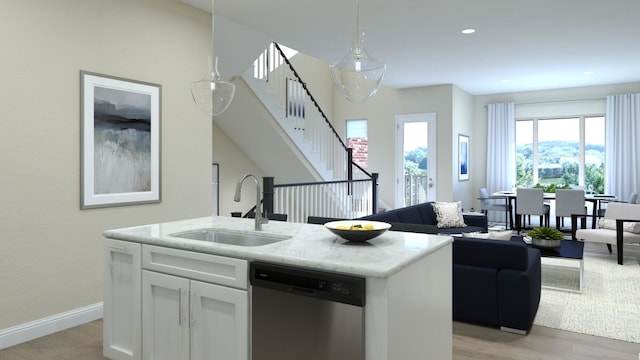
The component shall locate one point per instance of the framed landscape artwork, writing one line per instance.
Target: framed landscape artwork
(120, 135)
(463, 157)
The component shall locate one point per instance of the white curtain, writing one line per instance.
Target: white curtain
(501, 148)
(622, 171)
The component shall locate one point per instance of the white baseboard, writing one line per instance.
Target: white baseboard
(49, 325)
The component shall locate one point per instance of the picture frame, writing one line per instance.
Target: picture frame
(120, 141)
(463, 157)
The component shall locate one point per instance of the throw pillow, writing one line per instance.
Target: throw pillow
(448, 214)
(492, 235)
(632, 227)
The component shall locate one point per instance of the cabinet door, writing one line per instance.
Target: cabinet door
(219, 322)
(165, 317)
(122, 300)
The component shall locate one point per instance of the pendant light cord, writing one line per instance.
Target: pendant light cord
(213, 35)
(357, 25)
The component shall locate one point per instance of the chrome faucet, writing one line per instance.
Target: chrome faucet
(258, 214)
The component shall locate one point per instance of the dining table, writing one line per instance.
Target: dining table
(595, 199)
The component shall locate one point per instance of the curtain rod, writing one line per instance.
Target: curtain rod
(554, 102)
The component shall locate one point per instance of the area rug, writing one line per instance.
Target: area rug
(609, 305)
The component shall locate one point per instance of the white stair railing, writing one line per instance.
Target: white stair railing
(337, 199)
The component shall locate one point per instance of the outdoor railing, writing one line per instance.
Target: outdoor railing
(415, 189)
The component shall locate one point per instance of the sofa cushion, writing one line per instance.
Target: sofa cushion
(448, 214)
(416, 228)
(409, 215)
(427, 213)
(385, 216)
(632, 227)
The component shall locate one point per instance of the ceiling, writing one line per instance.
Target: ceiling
(519, 45)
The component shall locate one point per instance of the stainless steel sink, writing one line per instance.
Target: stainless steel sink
(230, 237)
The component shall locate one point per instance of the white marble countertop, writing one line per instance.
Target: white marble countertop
(310, 246)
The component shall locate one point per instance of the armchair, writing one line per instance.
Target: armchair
(620, 225)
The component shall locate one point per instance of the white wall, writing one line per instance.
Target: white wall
(51, 252)
(317, 76)
(438, 99)
(463, 124)
(233, 164)
(381, 111)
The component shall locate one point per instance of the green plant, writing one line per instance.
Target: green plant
(552, 187)
(544, 232)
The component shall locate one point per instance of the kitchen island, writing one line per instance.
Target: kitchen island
(408, 285)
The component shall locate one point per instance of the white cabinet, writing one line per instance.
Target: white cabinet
(187, 319)
(165, 332)
(122, 300)
(219, 322)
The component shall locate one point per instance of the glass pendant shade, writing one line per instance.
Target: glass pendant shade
(358, 75)
(212, 94)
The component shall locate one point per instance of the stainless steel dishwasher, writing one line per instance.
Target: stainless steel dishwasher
(305, 314)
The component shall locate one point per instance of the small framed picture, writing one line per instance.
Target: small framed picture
(463, 157)
(120, 135)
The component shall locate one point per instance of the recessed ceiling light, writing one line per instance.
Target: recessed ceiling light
(468, 31)
(506, 81)
(588, 72)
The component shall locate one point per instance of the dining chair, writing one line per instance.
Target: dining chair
(487, 204)
(530, 201)
(568, 202)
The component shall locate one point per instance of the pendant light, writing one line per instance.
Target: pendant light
(212, 94)
(358, 75)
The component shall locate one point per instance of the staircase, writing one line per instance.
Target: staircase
(283, 130)
(277, 84)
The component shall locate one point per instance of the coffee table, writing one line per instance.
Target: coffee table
(570, 251)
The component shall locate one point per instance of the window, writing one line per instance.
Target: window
(560, 152)
(357, 140)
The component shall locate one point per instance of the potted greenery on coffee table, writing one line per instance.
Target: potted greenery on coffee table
(545, 237)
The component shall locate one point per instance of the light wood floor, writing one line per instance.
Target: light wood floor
(469, 342)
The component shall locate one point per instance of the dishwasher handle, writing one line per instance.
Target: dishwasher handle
(346, 289)
(302, 291)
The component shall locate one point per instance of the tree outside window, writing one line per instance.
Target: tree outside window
(564, 152)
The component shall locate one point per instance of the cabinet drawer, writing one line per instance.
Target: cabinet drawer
(205, 267)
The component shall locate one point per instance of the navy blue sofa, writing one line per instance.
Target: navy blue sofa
(423, 214)
(496, 283)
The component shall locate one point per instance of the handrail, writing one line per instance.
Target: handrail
(304, 85)
(320, 182)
